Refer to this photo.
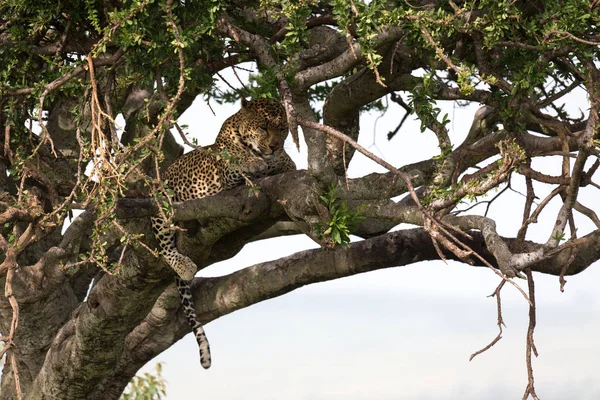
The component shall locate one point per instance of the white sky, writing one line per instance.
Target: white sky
(401, 333)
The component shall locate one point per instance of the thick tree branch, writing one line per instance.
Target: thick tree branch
(219, 296)
(115, 306)
(341, 64)
(67, 345)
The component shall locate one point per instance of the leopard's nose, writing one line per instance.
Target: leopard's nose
(275, 144)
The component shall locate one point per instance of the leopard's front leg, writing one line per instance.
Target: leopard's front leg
(253, 165)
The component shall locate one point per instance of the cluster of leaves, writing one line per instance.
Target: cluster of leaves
(142, 33)
(138, 27)
(363, 20)
(342, 221)
(262, 85)
(422, 102)
(146, 386)
(295, 12)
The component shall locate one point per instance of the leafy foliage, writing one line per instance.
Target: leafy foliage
(71, 70)
(148, 386)
(342, 221)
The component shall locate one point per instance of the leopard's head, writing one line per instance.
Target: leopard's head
(261, 125)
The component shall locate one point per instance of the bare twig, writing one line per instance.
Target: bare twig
(530, 348)
(500, 322)
(408, 110)
(534, 216)
(570, 35)
(183, 137)
(488, 203)
(528, 204)
(334, 132)
(234, 70)
(15, 369)
(227, 82)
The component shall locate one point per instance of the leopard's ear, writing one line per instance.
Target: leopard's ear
(244, 102)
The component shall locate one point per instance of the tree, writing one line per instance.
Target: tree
(86, 306)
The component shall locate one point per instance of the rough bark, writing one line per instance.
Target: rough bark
(73, 345)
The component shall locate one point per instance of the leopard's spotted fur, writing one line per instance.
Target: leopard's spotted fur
(249, 144)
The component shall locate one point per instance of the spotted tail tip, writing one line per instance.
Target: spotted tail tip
(205, 361)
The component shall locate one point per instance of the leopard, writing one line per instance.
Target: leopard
(249, 145)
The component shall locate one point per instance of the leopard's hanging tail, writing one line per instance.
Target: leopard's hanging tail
(185, 293)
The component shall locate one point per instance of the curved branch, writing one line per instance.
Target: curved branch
(99, 62)
(341, 64)
(216, 297)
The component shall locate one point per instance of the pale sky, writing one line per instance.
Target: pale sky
(401, 333)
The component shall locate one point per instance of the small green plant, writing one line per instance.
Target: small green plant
(342, 221)
(147, 386)
(559, 236)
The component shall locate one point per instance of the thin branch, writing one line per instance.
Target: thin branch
(15, 370)
(530, 173)
(183, 136)
(588, 212)
(570, 35)
(534, 217)
(530, 348)
(407, 111)
(500, 322)
(551, 99)
(528, 204)
(98, 62)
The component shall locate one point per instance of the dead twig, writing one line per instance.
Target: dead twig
(569, 35)
(10, 262)
(528, 204)
(15, 369)
(530, 347)
(183, 137)
(500, 322)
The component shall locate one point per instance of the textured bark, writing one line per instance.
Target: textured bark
(217, 297)
(117, 305)
(73, 345)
